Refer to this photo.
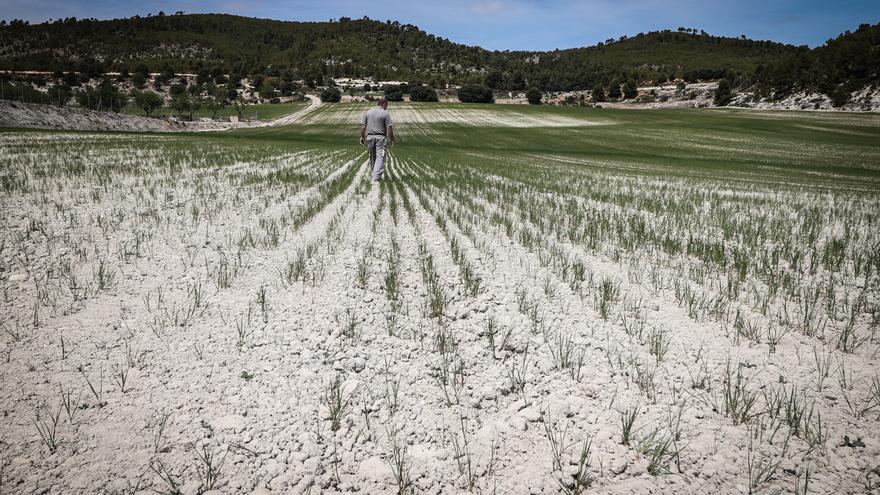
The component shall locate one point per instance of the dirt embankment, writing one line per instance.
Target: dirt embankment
(32, 115)
(701, 95)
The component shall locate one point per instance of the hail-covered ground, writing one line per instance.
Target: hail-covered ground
(534, 300)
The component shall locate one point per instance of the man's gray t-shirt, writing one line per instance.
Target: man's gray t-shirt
(377, 120)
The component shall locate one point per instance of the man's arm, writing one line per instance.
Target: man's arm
(390, 131)
(363, 133)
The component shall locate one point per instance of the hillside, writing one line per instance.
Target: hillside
(188, 43)
(346, 48)
(654, 56)
(224, 44)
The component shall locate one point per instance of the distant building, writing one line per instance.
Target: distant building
(347, 82)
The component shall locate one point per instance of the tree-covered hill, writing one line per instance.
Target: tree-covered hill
(188, 43)
(654, 57)
(218, 43)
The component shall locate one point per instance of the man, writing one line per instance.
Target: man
(375, 128)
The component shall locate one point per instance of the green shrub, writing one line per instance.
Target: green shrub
(475, 93)
(392, 93)
(839, 97)
(534, 96)
(422, 93)
(331, 95)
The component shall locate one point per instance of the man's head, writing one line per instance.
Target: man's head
(383, 103)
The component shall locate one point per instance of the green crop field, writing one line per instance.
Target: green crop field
(722, 142)
(535, 299)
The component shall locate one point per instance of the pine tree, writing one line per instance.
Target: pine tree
(534, 96)
(723, 95)
(629, 90)
(614, 89)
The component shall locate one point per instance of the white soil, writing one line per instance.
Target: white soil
(249, 382)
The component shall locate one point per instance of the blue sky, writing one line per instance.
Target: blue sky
(517, 24)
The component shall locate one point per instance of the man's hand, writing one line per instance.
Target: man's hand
(363, 140)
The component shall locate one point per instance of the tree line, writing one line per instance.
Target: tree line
(184, 95)
(214, 45)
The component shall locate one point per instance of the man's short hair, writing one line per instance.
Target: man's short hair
(382, 101)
